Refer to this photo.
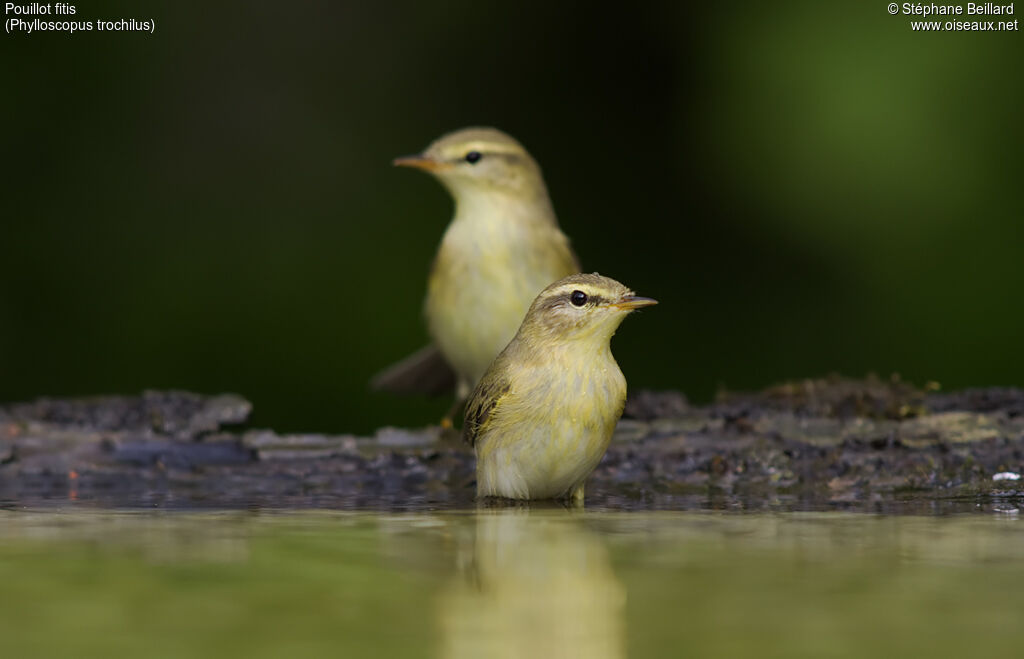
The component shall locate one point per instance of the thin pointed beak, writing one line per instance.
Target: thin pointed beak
(631, 302)
(421, 162)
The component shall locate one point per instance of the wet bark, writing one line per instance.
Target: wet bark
(861, 444)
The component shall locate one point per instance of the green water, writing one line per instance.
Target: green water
(509, 583)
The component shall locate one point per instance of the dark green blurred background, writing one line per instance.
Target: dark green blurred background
(806, 187)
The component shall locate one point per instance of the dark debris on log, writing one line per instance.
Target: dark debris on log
(861, 444)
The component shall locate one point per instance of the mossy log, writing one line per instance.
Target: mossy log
(832, 443)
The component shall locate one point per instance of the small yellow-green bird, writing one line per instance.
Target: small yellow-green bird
(502, 247)
(543, 414)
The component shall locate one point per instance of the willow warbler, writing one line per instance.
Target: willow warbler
(502, 247)
(543, 414)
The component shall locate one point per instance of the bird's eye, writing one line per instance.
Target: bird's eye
(473, 157)
(578, 298)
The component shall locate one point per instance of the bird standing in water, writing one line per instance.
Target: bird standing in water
(502, 247)
(541, 418)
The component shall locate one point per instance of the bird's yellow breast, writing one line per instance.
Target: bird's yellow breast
(489, 268)
(552, 427)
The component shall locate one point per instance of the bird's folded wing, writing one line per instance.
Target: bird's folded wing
(423, 372)
(484, 403)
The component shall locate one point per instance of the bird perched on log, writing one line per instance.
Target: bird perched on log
(541, 418)
(502, 247)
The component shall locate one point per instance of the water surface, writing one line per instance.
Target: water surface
(509, 583)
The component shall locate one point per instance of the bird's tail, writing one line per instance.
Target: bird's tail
(423, 372)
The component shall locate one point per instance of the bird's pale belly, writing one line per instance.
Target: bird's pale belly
(472, 338)
(542, 463)
(474, 307)
(556, 442)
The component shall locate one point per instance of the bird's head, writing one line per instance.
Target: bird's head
(474, 160)
(581, 307)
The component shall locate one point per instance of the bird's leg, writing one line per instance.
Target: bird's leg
(576, 496)
(454, 412)
(458, 407)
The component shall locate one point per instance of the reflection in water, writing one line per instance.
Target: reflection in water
(528, 582)
(533, 586)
